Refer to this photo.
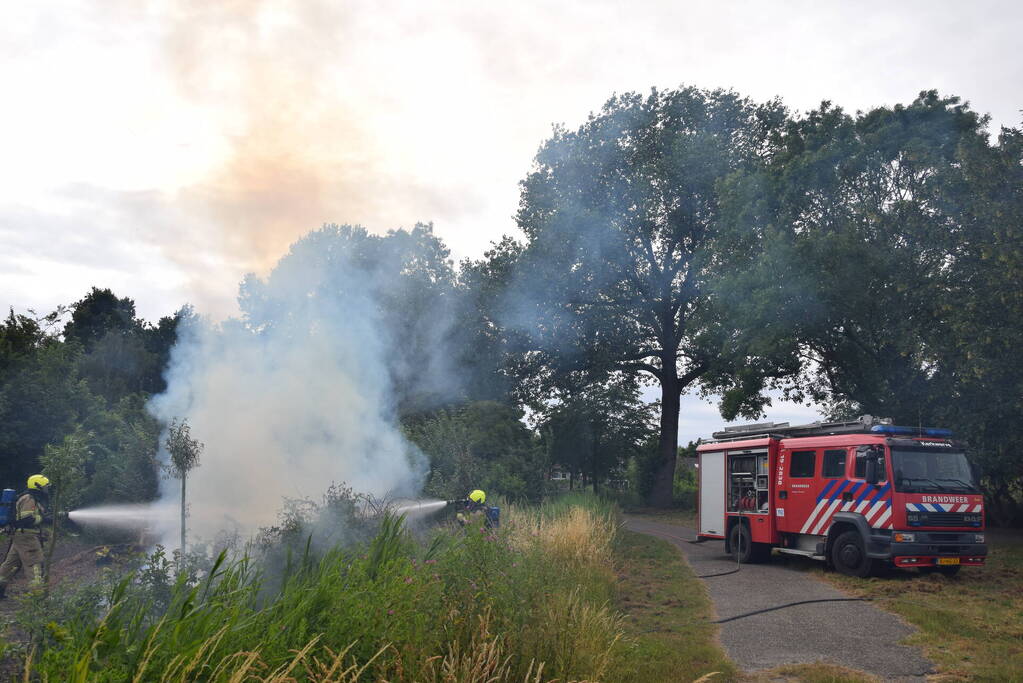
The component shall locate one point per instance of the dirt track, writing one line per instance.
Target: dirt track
(852, 634)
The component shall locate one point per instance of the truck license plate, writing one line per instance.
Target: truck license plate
(948, 560)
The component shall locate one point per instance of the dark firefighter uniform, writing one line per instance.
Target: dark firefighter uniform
(26, 545)
(472, 506)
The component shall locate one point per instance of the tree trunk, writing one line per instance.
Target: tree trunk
(183, 519)
(667, 442)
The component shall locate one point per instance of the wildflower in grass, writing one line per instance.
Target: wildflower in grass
(408, 579)
(390, 612)
(430, 562)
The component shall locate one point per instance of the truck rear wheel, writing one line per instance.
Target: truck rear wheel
(743, 546)
(850, 557)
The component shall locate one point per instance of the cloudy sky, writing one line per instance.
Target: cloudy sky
(165, 148)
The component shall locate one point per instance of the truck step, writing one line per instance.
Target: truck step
(803, 553)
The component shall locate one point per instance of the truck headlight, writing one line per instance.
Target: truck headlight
(905, 538)
(978, 538)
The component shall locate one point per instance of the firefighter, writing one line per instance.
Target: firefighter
(472, 505)
(26, 548)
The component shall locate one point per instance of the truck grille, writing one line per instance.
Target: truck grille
(945, 519)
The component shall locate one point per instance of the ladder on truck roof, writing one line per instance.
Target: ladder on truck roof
(860, 425)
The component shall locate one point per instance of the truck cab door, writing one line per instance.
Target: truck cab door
(796, 482)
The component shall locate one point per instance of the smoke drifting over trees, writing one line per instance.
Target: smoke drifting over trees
(621, 218)
(686, 238)
(305, 389)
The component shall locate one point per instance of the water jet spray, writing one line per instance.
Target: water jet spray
(128, 516)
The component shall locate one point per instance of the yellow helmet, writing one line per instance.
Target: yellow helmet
(37, 482)
(478, 496)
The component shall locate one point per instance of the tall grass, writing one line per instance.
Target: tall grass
(526, 603)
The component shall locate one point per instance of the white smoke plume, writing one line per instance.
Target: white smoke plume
(294, 396)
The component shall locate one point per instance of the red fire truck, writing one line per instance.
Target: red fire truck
(857, 495)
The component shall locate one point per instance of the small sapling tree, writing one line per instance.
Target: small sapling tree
(64, 466)
(184, 457)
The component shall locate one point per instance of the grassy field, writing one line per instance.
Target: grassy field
(667, 616)
(971, 625)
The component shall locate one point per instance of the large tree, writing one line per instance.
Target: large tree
(848, 238)
(881, 251)
(620, 218)
(981, 380)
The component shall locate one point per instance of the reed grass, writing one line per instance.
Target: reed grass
(526, 603)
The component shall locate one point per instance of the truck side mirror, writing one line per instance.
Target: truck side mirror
(871, 471)
(871, 474)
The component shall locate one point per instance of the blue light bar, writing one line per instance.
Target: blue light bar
(911, 431)
(891, 428)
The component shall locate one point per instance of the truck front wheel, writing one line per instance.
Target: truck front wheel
(850, 557)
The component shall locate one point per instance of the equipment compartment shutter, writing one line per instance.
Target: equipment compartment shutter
(712, 493)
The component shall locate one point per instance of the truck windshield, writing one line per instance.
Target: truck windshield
(917, 471)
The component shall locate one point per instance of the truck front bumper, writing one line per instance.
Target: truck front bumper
(936, 548)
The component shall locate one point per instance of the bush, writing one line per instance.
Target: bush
(684, 490)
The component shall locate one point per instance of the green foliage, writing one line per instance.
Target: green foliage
(684, 491)
(122, 354)
(184, 450)
(484, 343)
(592, 432)
(123, 467)
(64, 466)
(97, 378)
(483, 445)
(42, 398)
(393, 606)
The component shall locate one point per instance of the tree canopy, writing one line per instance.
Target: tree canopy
(877, 253)
(620, 218)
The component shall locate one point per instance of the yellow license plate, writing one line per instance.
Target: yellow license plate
(948, 560)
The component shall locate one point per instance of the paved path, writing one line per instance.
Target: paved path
(853, 634)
